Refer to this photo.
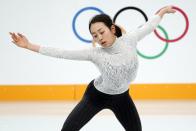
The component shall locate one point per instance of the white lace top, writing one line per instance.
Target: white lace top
(117, 64)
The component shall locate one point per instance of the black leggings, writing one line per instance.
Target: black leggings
(94, 101)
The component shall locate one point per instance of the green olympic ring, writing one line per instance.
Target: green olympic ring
(162, 52)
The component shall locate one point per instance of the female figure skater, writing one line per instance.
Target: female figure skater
(116, 59)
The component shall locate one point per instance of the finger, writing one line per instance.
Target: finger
(172, 11)
(14, 42)
(15, 36)
(20, 35)
(10, 33)
(23, 36)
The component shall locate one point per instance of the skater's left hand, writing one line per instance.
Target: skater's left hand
(166, 10)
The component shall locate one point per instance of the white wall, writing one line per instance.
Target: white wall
(49, 22)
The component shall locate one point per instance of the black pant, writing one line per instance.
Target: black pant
(94, 101)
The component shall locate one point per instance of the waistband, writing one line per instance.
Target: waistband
(91, 90)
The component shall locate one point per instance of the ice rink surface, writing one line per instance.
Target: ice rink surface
(50, 116)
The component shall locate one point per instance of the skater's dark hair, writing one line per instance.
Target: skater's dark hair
(107, 21)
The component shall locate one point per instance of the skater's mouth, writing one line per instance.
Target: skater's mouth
(103, 43)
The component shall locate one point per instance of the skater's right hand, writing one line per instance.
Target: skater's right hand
(19, 40)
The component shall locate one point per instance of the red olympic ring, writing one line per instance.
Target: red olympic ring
(185, 31)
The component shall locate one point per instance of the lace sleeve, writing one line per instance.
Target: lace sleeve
(84, 54)
(148, 27)
(144, 30)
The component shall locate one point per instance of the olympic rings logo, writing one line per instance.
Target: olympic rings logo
(166, 39)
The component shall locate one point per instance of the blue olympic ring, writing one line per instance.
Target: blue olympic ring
(74, 22)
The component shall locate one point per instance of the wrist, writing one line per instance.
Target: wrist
(162, 12)
(28, 46)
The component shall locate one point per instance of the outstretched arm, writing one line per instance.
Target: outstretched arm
(21, 41)
(149, 26)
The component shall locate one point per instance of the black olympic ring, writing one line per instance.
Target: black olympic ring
(132, 8)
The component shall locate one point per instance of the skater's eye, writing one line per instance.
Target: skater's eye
(95, 36)
(102, 33)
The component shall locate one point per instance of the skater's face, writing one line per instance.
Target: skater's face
(103, 35)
